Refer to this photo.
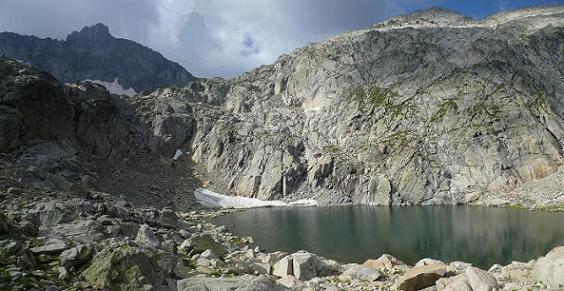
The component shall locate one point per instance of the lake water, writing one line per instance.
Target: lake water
(481, 236)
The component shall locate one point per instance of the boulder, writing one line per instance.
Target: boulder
(427, 261)
(120, 267)
(307, 266)
(168, 218)
(199, 243)
(146, 237)
(480, 280)
(456, 283)
(421, 277)
(209, 259)
(360, 272)
(50, 246)
(76, 257)
(284, 267)
(273, 258)
(550, 269)
(384, 263)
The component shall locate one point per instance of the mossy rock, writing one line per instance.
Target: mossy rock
(120, 269)
(200, 243)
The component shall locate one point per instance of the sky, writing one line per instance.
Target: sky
(224, 38)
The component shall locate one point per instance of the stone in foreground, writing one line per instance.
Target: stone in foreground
(550, 269)
(421, 277)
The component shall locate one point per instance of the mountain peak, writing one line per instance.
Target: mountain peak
(96, 31)
(431, 16)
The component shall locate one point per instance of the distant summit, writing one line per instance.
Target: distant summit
(95, 32)
(94, 54)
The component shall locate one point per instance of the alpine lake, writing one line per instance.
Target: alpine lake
(479, 235)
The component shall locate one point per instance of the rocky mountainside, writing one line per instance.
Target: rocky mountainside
(430, 108)
(94, 54)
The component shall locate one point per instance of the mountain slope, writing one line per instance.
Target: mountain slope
(94, 54)
(429, 108)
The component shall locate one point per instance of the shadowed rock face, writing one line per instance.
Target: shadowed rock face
(94, 54)
(394, 114)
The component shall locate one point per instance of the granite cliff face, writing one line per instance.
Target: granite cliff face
(94, 54)
(430, 108)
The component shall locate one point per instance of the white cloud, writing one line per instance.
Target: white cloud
(208, 37)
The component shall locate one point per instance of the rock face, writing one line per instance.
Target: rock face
(400, 113)
(94, 54)
(403, 112)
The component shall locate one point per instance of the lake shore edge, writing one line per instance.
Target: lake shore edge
(67, 243)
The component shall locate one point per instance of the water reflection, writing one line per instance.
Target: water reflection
(483, 236)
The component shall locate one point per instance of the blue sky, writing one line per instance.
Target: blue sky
(483, 8)
(224, 37)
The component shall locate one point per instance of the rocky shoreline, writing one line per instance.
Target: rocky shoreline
(93, 241)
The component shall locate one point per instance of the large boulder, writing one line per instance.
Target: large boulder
(199, 243)
(122, 267)
(284, 267)
(550, 269)
(421, 277)
(307, 266)
(480, 280)
(146, 237)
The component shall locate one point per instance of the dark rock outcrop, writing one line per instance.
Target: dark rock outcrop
(94, 54)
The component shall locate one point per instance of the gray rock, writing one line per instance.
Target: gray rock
(550, 269)
(63, 273)
(456, 283)
(146, 237)
(199, 243)
(209, 259)
(50, 246)
(168, 218)
(283, 267)
(360, 272)
(76, 256)
(384, 263)
(480, 280)
(27, 260)
(307, 266)
(121, 267)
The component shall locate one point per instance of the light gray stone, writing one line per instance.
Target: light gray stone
(550, 269)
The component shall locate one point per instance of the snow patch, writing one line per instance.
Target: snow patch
(115, 87)
(211, 199)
